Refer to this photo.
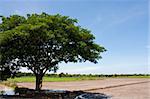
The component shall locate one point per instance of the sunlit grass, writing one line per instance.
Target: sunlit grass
(64, 79)
(52, 79)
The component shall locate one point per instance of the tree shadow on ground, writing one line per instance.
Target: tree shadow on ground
(25, 93)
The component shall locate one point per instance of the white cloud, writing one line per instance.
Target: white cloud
(99, 19)
(131, 13)
(17, 12)
(111, 19)
(23, 69)
(148, 46)
(78, 69)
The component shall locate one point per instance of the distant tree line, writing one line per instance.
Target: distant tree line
(21, 74)
(5, 74)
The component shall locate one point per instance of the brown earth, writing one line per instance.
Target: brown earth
(2, 87)
(118, 88)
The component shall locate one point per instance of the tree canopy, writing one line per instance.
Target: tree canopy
(41, 41)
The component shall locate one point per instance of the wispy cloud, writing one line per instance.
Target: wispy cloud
(75, 69)
(148, 46)
(19, 12)
(121, 19)
(109, 20)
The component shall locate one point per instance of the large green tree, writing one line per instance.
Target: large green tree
(41, 41)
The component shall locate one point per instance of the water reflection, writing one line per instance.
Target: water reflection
(7, 91)
(92, 96)
(45, 94)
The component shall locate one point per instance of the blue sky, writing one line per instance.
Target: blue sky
(121, 26)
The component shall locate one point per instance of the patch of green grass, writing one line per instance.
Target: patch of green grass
(65, 79)
(51, 79)
(22, 79)
(59, 79)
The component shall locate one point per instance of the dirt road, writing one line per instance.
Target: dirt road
(118, 88)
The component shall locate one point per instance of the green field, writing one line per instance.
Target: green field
(52, 79)
(61, 79)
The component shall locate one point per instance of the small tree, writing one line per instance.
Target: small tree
(41, 41)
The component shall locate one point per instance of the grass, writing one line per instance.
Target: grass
(51, 79)
(65, 79)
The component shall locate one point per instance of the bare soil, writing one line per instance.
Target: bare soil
(2, 87)
(118, 88)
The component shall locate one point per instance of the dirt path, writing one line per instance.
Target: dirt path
(118, 88)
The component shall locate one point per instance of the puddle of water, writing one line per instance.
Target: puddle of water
(92, 96)
(11, 91)
(55, 91)
(82, 95)
(7, 91)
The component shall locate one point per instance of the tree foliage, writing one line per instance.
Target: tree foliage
(41, 41)
(4, 74)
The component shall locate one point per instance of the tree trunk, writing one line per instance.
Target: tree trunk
(38, 82)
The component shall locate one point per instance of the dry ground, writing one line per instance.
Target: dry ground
(2, 87)
(118, 88)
